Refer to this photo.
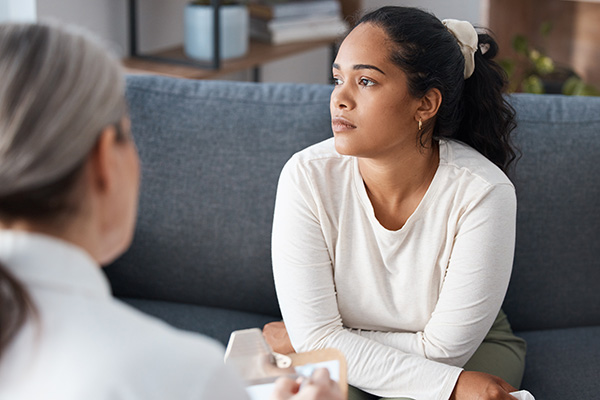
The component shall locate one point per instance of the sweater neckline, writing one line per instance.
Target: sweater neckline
(428, 198)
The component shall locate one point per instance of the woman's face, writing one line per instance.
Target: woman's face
(372, 113)
(124, 199)
(131, 172)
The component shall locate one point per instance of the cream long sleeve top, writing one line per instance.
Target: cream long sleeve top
(88, 345)
(409, 307)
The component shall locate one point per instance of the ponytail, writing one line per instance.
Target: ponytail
(473, 110)
(48, 203)
(488, 119)
(15, 306)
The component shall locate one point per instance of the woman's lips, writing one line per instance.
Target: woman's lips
(340, 124)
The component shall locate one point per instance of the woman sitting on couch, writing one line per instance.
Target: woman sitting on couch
(393, 241)
(69, 175)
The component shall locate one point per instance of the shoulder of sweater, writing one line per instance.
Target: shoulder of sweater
(158, 329)
(462, 159)
(113, 326)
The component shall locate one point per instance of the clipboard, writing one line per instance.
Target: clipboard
(319, 356)
(259, 366)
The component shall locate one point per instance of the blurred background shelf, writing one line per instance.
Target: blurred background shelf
(173, 61)
(575, 39)
(259, 54)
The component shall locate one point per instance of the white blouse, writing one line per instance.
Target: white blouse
(408, 308)
(88, 345)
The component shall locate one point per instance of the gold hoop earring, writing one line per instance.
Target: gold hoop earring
(420, 125)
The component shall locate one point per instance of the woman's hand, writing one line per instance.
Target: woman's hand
(473, 385)
(277, 336)
(318, 387)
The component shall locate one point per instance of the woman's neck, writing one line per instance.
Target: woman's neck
(75, 230)
(397, 185)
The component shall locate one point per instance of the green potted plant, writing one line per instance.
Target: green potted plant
(533, 71)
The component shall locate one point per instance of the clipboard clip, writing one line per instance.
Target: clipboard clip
(282, 361)
(249, 353)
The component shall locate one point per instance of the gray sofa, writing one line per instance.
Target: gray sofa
(211, 155)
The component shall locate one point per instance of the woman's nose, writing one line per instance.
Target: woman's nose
(341, 98)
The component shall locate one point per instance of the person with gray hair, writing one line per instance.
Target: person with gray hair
(69, 180)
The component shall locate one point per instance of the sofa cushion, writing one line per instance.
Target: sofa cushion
(217, 323)
(563, 363)
(211, 153)
(556, 274)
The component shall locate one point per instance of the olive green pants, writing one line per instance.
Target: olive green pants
(501, 354)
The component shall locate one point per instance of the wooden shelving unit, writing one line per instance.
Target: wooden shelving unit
(258, 54)
(173, 62)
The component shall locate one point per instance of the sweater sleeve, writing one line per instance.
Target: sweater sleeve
(304, 279)
(476, 281)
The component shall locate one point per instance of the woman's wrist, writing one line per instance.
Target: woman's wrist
(472, 385)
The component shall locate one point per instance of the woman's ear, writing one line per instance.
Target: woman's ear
(429, 105)
(102, 160)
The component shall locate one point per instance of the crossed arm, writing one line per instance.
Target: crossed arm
(422, 364)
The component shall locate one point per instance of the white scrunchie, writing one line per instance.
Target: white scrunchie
(467, 39)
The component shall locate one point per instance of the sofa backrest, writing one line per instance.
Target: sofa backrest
(211, 156)
(556, 274)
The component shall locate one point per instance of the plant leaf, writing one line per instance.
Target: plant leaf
(546, 28)
(508, 66)
(572, 85)
(533, 84)
(520, 44)
(544, 65)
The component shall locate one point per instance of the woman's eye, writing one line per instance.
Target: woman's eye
(337, 81)
(366, 82)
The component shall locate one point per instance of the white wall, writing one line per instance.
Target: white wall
(161, 21)
(468, 10)
(310, 67)
(106, 18)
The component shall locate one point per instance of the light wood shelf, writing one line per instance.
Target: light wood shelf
(259, 53)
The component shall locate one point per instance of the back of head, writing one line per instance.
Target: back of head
(58, 89)
(473, 109)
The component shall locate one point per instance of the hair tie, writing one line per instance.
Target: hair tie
(467, 39)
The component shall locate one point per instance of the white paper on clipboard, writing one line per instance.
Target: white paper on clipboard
(263, 391)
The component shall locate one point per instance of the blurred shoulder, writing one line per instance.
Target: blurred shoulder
(466, 163)
(315, 152)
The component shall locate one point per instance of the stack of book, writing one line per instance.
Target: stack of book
(281, 21)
